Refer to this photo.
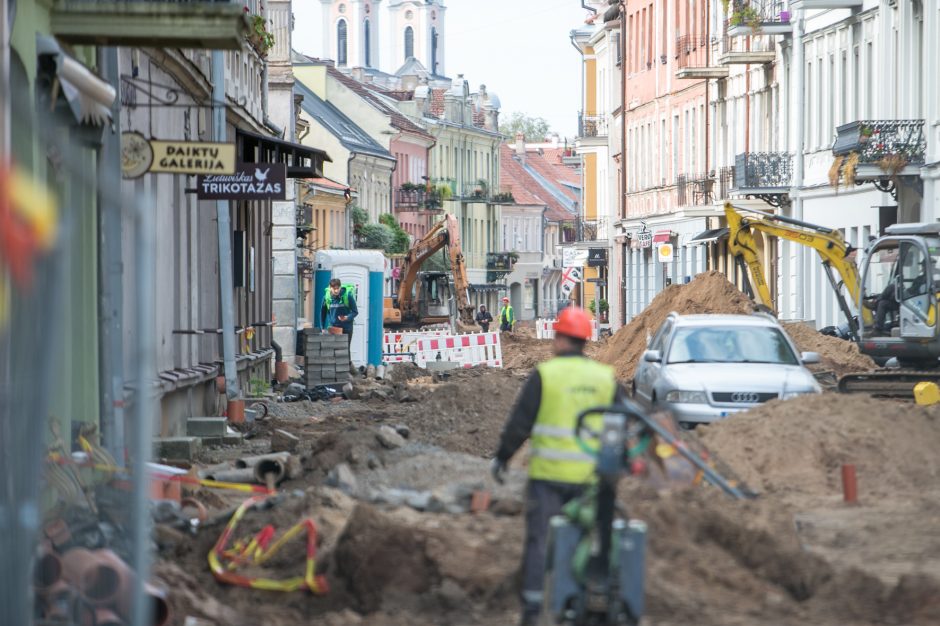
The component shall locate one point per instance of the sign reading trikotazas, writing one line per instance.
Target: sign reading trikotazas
(251, 181)
(192, 157)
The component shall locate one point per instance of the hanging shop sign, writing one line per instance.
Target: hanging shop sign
(664, 252)
(573, 257)
(136, 155)
(569, 279)
(597, 257)
(192, 157)
(644, 239)
(251, 181)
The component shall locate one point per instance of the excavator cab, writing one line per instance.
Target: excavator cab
(435, 297)
(899, 295)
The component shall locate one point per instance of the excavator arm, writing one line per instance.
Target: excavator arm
(444, 233)
(828, 244)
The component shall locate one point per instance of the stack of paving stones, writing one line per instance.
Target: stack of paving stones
(326, 359)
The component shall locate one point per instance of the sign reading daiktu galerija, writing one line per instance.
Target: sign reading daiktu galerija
(188, 157)
(251, 181)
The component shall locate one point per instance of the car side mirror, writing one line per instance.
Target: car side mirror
(810, 358)
(653, 356)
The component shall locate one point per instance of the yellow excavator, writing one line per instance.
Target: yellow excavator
(896, 293)
(426, 298)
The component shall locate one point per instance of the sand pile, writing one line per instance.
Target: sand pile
(799, 446)
(707, 293)
(522, 351)
(838, 355)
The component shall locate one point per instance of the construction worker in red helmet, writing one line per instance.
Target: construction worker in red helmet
(507, 317)
(546, 411)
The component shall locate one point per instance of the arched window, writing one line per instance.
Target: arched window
(434, 51)
(341, 42)
(365, 33)
(409, 42)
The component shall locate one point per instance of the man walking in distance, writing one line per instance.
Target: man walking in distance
(559, 470)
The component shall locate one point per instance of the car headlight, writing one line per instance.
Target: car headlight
(788, 395)
(687, 397)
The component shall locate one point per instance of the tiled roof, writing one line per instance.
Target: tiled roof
(561, 176)
(328, 183)
(526, 189)
(398, 120)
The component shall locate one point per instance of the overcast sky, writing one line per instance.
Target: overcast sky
(520, 49)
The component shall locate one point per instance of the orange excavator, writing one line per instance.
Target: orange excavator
(431, 297)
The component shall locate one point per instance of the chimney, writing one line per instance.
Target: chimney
(520, 147)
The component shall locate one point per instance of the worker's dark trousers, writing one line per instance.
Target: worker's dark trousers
(544, 500)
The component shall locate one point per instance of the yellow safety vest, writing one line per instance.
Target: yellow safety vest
(569, 385)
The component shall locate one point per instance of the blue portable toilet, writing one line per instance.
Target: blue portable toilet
(366, 270)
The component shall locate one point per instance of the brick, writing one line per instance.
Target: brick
(205, 426)
(177, 448)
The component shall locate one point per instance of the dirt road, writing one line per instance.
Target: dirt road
(399, 547)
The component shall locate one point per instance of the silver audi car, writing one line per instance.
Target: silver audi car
(702, 368)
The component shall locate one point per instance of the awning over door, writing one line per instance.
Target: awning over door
(709, 236)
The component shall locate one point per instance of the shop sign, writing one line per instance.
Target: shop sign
(573, 257)
(569, 278)
(251, 181)
(664, 252)
(192, 157)
(597, 257)
(644, 239)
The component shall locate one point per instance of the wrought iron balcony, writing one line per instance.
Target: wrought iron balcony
(592, 125)
(876, 140)
(762, 170)
(758, 17)
(418, 200)
(695, 190)
(692, 59)
(476, 192)
(207, 24)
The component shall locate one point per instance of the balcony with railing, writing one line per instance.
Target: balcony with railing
(878, 151)
(696, 189)
(418, 199)
(476, 192)
(764, 175)
(750, 51)
(758, 17)
(206, 24)
(693, 59)
(592, 125)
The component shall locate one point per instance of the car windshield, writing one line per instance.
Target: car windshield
(752, 344)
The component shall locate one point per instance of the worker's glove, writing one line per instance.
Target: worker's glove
(497, 469)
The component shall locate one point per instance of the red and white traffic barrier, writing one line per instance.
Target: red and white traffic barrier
(545, 329)
(469, 349)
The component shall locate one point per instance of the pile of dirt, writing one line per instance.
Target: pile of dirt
(838, 356)
(467, 412)
(713, 561)
(798, 446)
(707, 293)
(522, 351)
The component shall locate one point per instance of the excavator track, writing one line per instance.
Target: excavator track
(887, 383)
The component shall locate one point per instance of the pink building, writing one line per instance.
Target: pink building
(671, 186)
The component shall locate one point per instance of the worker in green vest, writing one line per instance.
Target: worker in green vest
(546, 411)
(507, 317)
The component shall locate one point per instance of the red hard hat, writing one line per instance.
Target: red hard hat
(574, 322)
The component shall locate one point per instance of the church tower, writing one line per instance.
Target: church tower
(351, 32)
(417, 30)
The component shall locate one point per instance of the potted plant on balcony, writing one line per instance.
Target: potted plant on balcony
(258, 34)
(865, 133)
(745, 15)
(411, 187)
(480, 190)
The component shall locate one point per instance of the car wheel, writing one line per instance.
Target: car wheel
(687, 425)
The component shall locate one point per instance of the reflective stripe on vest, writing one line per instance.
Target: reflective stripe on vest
(569, 385)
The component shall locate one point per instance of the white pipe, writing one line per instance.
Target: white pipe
(794, 279)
